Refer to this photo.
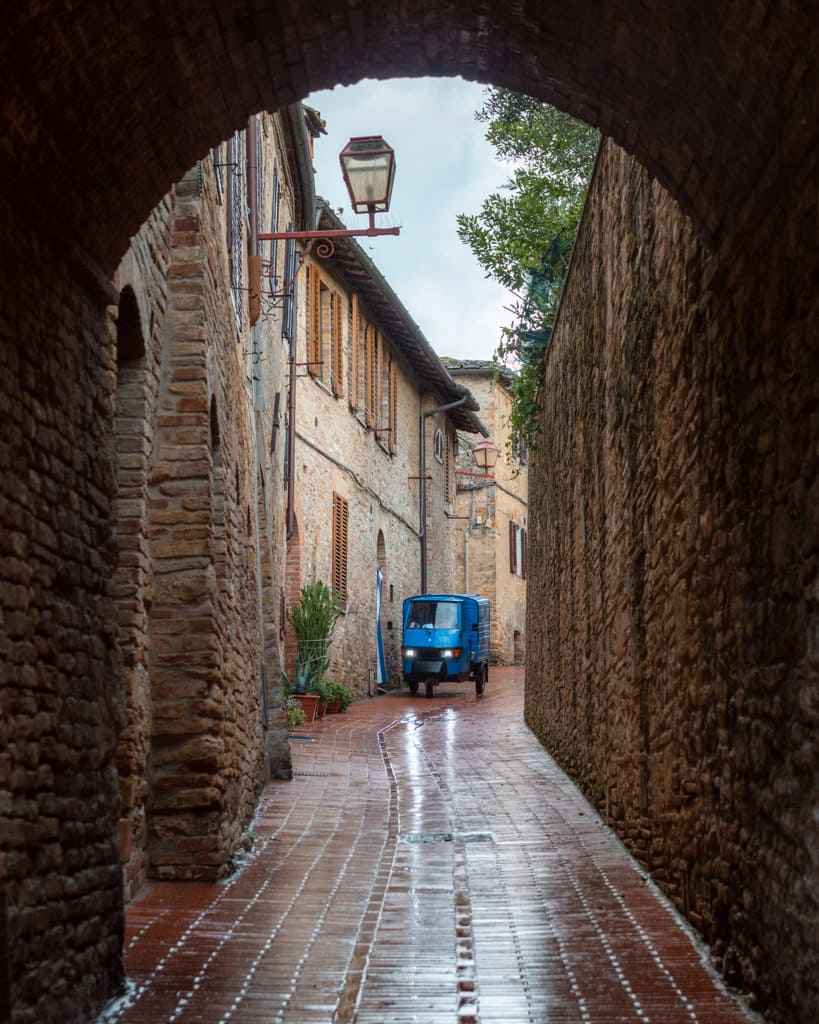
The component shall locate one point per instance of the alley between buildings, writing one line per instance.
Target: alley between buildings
(428, 863)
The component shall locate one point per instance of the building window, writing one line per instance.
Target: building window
(353, 357)
(393, 405)
(324, 333)
(517, 550)
(235, 214)
(438, 445)
(218, 166)
(339, 551)
(275, 214)
(447, 472)
(371, 372)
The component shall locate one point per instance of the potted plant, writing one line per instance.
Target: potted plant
(301, 689)
(314, 620)
(294, 712)
(339, 697)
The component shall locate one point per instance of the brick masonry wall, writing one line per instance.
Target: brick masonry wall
(205, 766)
(503, 501)
(61, 693)
(673, 628)
(144, 274)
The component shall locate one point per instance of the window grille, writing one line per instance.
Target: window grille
(236, 214)
(291, 295)
(275, 213)
(216, 156)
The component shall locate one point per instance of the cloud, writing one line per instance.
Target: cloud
(445, 166)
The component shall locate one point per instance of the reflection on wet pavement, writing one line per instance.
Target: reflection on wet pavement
(428, 863)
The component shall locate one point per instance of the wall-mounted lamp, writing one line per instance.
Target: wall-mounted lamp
(485, 455)
(368, 166)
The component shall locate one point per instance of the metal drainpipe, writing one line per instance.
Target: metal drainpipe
(422, 476)
(291, 441)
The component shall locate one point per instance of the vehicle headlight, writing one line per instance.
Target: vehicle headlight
(409, 652)
(450, 653)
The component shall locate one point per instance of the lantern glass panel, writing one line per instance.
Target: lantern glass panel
(368, 165)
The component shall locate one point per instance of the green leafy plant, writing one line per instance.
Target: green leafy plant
(305, 679)
(339, 692)
(523, 234)
(294, 713)
(314, 620)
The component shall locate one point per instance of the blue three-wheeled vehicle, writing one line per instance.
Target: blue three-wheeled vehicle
(446, 637)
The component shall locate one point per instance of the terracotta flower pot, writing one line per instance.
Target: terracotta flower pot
(309, 704)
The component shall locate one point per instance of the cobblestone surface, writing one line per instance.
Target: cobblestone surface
(428, 863)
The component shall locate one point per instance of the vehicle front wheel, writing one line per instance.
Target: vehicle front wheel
(481, 677)
(413, 686)
(430, 686)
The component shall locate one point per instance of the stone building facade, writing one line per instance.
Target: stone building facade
(492, 513)
(672, 658)
(368, 387)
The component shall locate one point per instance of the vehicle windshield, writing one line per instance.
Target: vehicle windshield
(433, 615)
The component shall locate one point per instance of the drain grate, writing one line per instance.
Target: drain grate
(314, 775)
(299, 738)
(447, 837)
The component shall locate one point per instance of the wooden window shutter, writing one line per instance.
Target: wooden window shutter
(393, 405)
(314, 338)
(447, 472)
(524, 556)
(372, 379)
(338, 346)
(313, 322)
(513, 549)
(354, 328)
(339, 552)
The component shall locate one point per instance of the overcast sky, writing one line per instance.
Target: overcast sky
(444, 166)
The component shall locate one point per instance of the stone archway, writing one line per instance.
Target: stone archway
(717, 103)
(713, 104)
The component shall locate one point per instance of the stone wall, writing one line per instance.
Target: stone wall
(140, 321)
(61, 693)
(485, 508)
(673, 628)
(205, 766)
(337, 452)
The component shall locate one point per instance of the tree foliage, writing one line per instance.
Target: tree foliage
(524, 232)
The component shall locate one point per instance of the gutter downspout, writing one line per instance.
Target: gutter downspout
(291, 439)
(422, 476)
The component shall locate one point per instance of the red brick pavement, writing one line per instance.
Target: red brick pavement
(428, 864)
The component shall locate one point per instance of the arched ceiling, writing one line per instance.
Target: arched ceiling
(105, 104)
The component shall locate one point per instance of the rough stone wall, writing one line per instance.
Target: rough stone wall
(482, 547)
(440, 494)
(61, 693)
(140, 322)
(673, 627)
(337, 452)
(206, 764)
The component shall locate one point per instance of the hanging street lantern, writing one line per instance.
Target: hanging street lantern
(485, 455)
(368, 166)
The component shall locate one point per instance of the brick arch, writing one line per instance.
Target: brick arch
(713, 101)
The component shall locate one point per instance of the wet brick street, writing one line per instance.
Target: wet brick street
(428, 863)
